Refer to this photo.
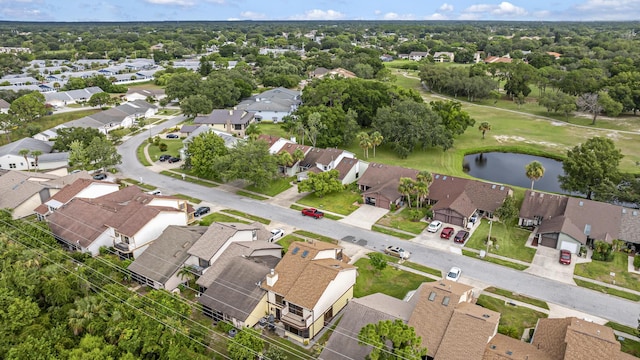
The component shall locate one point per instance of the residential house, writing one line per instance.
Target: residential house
(232, 121)
(161, 264)
(192, 65)
(195, 130)
(234, 291)
(564, 222)
(60, 99)
(49, 134)
(24, 191)
(19, 80)
(321, 72)
(418, 55)
(443, 56)
(440, 312)
(497, 59)
(291, 147)
(121, 116)
(554, 54)
(308, 287)
(144, 94)
(320, 160)
(456, 200)
(4, 106)
(379, 184)
(386, 58)
(84, 187)
(128, 220)
(10, 158)
(272, 105)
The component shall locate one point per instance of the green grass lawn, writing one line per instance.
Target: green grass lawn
(220, 217)
(140, 155)
(173, 148)
(287, 240)
(522, 298)
(493, 260)
(251, 195)
(401, 221)
(510, 241)
(624, 328)
(384, 230)
(600, 270)
(138, 183)
(187, 179)
(630, 347)
(607, 290)
(390, 281)
(412, 265)
(44, 123)
(513, 319)
(275, 187)
(314, 236)
(247, 216)
(340, 203)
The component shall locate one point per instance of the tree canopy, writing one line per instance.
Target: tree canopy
(202, 152)
(392, 340)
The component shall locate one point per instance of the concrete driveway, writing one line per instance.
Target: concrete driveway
(545, 263)
(365, 216)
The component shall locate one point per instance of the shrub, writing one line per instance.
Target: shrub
(378, 261)
(393, 207)
(636, 262)
(602, 251)
(415, 214)
(163, 146)
(224, 326)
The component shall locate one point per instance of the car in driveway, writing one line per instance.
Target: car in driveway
(173, 160)
(447, 233)
(461, 236)
(397, 251)
(565, 257)
(276, 234)
(201, 211)
(100, 176)
(165, 157)
(434, 226)
(454, 274)
(172, 136)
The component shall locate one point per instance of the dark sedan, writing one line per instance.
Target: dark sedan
(201, 211)
(461, 236)
(173, 160)
(165, 157)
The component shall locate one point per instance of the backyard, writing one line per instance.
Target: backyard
(343, 203)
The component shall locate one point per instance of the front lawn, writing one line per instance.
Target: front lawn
(287, 240)
(403, 221)
(173, 148)
(220, 217)
(340, 203)
(600, 270)
(247, 216)
(494, 260)
(506, 293)
(513, 319)
(509, 240)
(274, 188)
(390, 281)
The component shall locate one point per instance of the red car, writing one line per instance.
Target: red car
(461, 236)
(314, 213)
(446, 233)
(565, 257)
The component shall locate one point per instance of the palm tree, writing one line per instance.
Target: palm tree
(376, 140)
(534, 171)
(484, 127)
(89, 313)
(253, 131)
(406, 187)
(365, 142)
(424, 177)
(421, 190)
(186, 272)
(285, 159)
(35, 154)
(24, 153)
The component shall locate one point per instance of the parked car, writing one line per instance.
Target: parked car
(454, 274)
(172, 136)
(154, 192)
(315, 213)
(201, 211)
(165, 157)
(434, 226)
(565, 257)
(446, 233)
(100, 176)
(173, 159)
(461, 236)
(397, 252)
(276, 234)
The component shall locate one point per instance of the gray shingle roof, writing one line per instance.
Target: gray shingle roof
(25, 143)
(220, 117)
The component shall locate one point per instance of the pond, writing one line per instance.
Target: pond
(509, 168)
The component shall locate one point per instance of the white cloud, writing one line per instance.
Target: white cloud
(317, 14)
(504, 9)
(395, 16)
(377, 12)
(172, 2)
(609, 5)
(436, 16)
(446, 7)
(252, 15)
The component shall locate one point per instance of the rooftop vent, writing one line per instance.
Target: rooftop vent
(581, 203)
(437, 176)
(624, 211)
(509, 352)
(486, 316)
(635, 213)
(492, 347)
(501, 188)
(444, 177)
(493, 186)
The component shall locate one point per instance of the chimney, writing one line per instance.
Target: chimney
(231, 112)
(272, 277)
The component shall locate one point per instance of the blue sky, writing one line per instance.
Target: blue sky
(160, 10)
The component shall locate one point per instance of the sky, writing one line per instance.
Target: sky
(216, 10)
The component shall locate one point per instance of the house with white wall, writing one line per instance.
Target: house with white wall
(11, 159)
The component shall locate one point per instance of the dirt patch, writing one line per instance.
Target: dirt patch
(557, 123)
(504, 139)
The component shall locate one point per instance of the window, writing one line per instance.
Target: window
(12, 166)
(279, 299)
(295, 309)
(304, 333)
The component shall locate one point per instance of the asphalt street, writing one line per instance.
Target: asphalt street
(588, 301)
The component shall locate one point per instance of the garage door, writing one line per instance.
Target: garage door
(549, 241)
(569, 245)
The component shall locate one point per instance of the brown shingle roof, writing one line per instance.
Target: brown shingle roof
(630, 225)
(80, 221)
(545, 206)
(602, 218)
(269, 139)
(291, 148)
(550, 335)
(344, 166)
(563, 225)
(502, 347)
(384, 179)
(430, 318)
(464, 196)
(302, 279)
(470, 329)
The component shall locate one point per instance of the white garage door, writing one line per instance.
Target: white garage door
(571, 246)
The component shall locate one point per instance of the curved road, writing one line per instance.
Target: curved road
(591, 302)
